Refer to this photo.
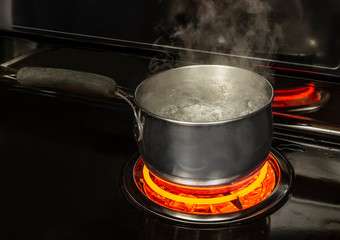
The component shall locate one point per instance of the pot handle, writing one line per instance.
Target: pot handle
(120, 93)
(75, 81)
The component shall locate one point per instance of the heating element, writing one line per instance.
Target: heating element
(251, 196)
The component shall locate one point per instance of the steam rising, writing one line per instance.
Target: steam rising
(236, 27)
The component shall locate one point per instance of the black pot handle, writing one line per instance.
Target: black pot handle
(75, 81)
(67, 80)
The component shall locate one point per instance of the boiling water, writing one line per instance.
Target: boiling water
(197, 102)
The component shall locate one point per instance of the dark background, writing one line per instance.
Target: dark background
(310, 28)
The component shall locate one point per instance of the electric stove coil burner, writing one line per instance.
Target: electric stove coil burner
(208, 200)
(249, 197)
(301, 99)
(296, 97)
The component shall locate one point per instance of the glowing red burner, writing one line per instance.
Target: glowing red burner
(297, 97)
(240, 195)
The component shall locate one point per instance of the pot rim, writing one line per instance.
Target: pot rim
(185, 123)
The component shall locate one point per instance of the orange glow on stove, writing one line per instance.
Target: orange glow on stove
(240, 195)
(291, 116)
(297, 97)
(286, 69)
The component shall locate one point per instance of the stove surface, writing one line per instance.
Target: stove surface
(63, 181)
(63, 156)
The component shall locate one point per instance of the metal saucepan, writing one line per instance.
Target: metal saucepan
(195, 125)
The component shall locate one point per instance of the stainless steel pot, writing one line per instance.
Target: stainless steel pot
(205, 153)
(192, 153)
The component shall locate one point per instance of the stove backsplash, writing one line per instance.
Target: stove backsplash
(294, 30)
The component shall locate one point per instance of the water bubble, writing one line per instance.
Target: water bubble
(197, 102)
